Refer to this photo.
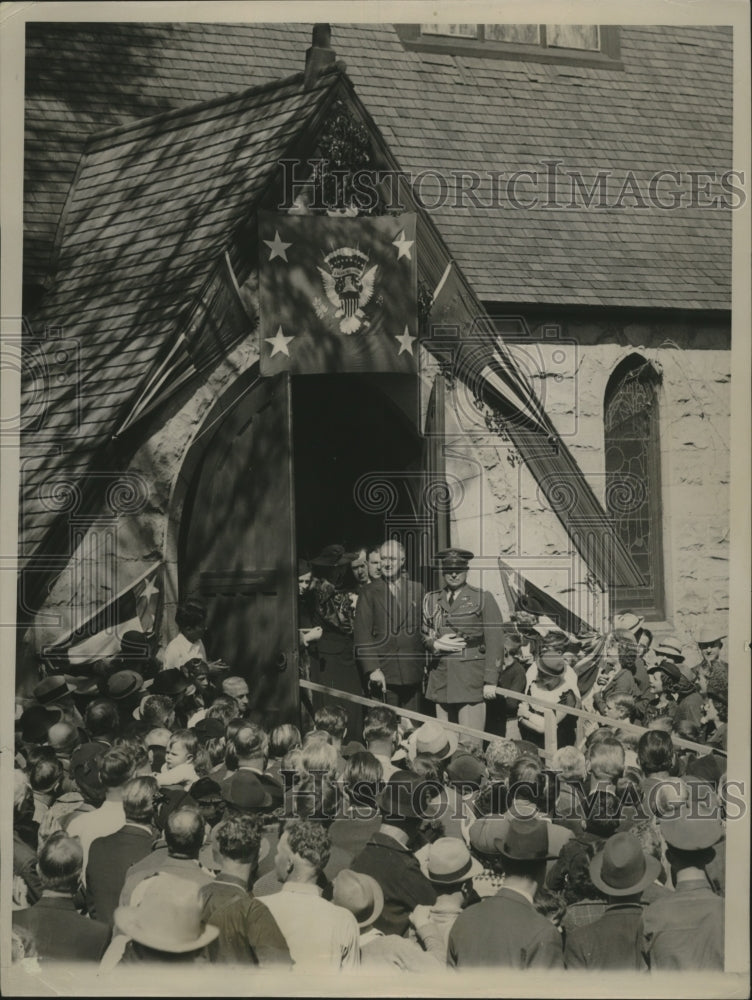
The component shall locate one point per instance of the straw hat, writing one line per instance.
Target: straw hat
(166, 916)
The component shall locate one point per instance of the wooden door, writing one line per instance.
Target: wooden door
(239, 551)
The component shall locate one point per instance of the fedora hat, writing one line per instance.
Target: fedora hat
(123, 684)
(552, 664)
(166, 916)
(172, 682)
(465, 767)
(245, 792)
(670, 647)
(36, 722)
(622, 868)
(360, 894)
(525, 840)
(689, 832)
(628, 621)
(83, 685)
(52, 689)
(448, 862)
(432, 738)
(485, 832)
(709, 636)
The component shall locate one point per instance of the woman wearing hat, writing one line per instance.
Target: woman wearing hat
(547, 681)
(673, 695)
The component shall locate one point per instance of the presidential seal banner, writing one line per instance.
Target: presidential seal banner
(337, 294)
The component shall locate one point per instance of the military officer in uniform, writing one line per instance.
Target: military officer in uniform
(462, 631)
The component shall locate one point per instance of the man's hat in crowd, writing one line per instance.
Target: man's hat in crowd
(172, 682)
(245, 792)
(433, 739)
(465, 767)
(485, 832)
(36, 722)
(710, 636)
(525, 840)
(403, 797)
(360, 894)
(448, 862)
(628, 621)
(622, 868)
(84, 686)
(454, 558)
(123, 684)
(52, 689)
(166, 916)
(551, 664)
(689, 832)
(670, 647)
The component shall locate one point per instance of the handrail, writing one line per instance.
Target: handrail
(548, 710)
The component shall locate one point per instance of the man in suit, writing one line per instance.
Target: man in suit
(387, 631)
(622, 871)
(110, 857)
(462, 631)
(58, 930)
(505, 930)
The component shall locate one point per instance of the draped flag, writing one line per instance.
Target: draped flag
(137, 608)
(337, 294)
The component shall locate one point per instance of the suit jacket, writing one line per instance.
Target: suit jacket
(109, 860)
(60, 933)
(504, 931)
(684, 930)
(613, 942)
(458, 678)
(387, 631)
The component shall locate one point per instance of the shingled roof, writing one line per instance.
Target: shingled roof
(669, 108)
(152, 208)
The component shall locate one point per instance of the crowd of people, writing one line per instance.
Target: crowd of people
(157, 817)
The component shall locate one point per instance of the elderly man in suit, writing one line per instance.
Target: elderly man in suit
(505, 930)
(462, 631)
(387, 631)
(622, 871)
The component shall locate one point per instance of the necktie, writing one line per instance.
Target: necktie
(450, 599)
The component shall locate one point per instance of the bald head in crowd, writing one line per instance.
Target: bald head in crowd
(237, 688)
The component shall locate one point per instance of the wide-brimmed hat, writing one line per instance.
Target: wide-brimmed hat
(123, 684)
(690, 832)
(167, 916)
(449, 862)
(667, 667)
(709, 636)
(670, 647)
(551, 664)
(629, 621)
(622, 868)
(52, 689)
(525, 840)
(434, 739)
(37, 720)
(245, 792)
(360, 894)
(454, 558)
(172, 682)
(330, 555)
(83, 685)
(485, 832)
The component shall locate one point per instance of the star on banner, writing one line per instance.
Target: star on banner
(279, 343)
(403, 246)
(277, 247)
(150, 590)
(406, 342)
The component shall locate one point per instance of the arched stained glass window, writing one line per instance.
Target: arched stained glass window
(633, 479)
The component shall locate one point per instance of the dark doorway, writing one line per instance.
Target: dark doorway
(346, 427)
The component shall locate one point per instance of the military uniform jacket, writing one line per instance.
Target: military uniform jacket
(458, 678)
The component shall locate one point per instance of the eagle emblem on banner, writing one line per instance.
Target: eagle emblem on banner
(348, 287)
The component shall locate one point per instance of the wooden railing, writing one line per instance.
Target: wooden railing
(550, 725)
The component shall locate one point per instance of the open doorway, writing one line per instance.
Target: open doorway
(346, 427)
